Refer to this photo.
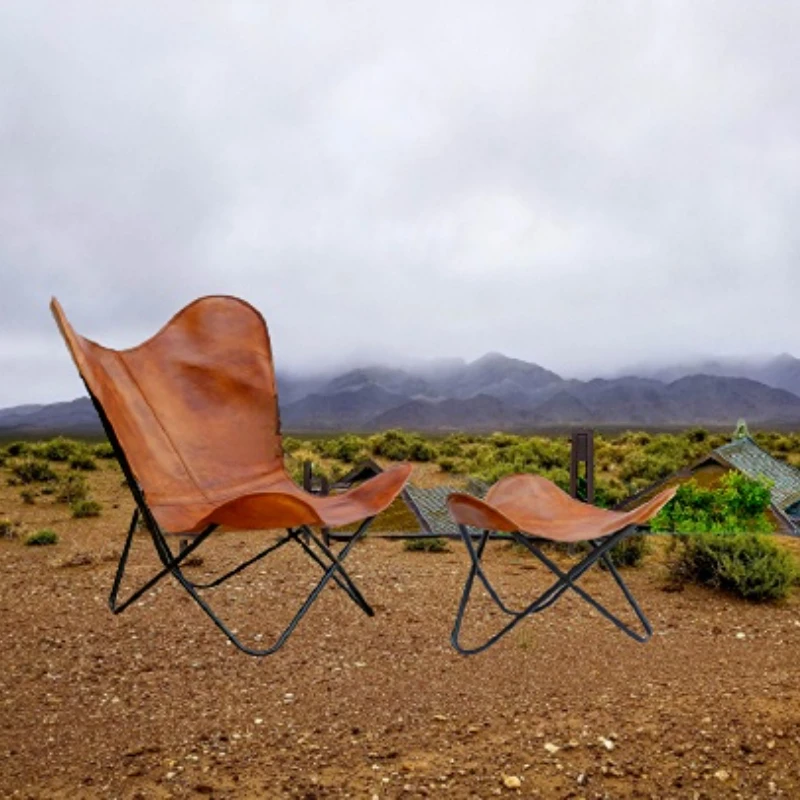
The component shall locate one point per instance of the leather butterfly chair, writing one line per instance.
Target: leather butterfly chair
(534, 510)
(193, 417)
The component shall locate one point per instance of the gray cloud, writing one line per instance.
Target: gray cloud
(579, 184)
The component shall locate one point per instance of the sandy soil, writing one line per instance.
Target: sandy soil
(154, 703)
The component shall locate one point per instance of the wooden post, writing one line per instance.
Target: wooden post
(582, 453)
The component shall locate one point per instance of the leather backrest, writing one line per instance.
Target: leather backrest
(195, 407)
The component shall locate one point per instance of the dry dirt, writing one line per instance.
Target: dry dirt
(154, 703)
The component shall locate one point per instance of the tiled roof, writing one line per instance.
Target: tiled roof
(746, 456)
(430, 505)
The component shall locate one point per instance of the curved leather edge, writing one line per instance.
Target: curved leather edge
(365, 500)
(263, 511)
(72, 337)
(468, 510)
(646, 511)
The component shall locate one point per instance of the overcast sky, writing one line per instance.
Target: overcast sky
(584, 185)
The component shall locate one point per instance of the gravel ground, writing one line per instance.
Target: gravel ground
(154, 703)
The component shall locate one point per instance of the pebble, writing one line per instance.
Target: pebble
(607, 743)
(551, 748)
(511, 782)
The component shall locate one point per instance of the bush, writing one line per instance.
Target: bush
(28, 497)
(738, 506)
(58, 449)
(18, 449)
(450, 465)
(31, 470)
(748, 565)
(42, 537)
(432, 545)
(86, 508)
(83, 461)
(630, 552)
(7, 529)
(345, 448)
(72, 489)
(103, 450)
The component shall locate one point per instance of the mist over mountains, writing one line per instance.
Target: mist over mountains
(496, 392)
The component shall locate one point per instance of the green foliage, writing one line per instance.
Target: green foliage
(748, 565)
(103, 450)
(400, 446)
(7, 529)
(291, 445)
(433, 545)
(41, 538)
(739, 505)
(18, 449)
(86, 508)
(452, 465)
(83, 461)
(72, 489)
(32, 470)
(349, 449)
(58, 449)
(630, 552)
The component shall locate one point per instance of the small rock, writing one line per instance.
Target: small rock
(722, 775)
(607, 743)
(511, 782)
(741, 635)
(551, 748)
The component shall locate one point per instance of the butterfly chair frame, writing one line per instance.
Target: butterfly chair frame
(172, 563)
(600, 547)
(303, 535)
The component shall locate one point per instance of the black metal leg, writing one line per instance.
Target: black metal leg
(329, 574)
(340, 577)
(565, 580)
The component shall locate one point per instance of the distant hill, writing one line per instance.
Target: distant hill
(73, 418)
(492, 393)
(780, 372)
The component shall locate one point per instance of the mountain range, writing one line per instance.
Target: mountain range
(496, 392)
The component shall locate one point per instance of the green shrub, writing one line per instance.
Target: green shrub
(393, 445)
(28, 496)
(58, 449)
(18, 449)
(72, 489)
(748, 565)
(86, 508)
(344, 448)
(738, 506)
(42, 537)
(291, 445)
(83, 461)
(630, 552)
(32, 470)
(432, 545)
(7, 529)
(449, 465)
(103, 450)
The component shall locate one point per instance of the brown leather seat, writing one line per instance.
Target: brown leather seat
(534, 505)
(195, 410)
(531, 508)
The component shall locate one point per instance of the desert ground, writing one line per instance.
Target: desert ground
(154, 703)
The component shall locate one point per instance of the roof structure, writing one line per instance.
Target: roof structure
(747, 457)
(430, 506)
